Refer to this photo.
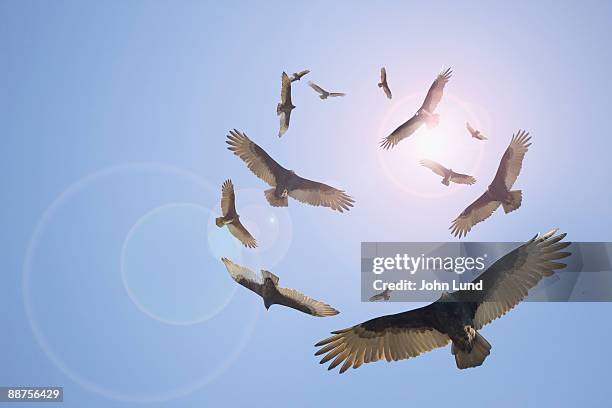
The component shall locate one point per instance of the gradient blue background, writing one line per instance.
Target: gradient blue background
(154, 87)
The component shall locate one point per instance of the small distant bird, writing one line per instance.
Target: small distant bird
(285, 182)
(383, 83)
(424, 114)
(455, 317)
(475, 133)
(231, 218)
(284, 108)
(448, 175)
(498, 193)
(323, 93)
(298, 75)
(266, 286)
(384, 295)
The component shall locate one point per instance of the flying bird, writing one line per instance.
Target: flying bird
(231, 218)
(448, 175)
(266, 286)
(384, 295)
(498, 193)
(456, 317)
(298, 75)
(285, 182)
(475, 133)
(383, 83)
(323, 93)
(424, 114)
(284, 108)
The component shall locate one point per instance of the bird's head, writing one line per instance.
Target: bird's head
(285, 193)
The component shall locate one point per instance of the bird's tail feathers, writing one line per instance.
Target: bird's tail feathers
(481, 348)
(432, 120)
(446, 181)
(515, 201)
(220, 221)
(267, 274)
(274, 201)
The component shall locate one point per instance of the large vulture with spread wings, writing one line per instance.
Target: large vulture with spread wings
(455, 317)
(475, 133)
(285, 182)
(448, 175)
(298, 75)
(498, 193)
(231, 218)
(425, 114)
(266, 286)
(284, 108)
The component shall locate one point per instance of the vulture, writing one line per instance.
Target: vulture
(424, 114)
(384, 295)
(285, 183)
(298, 75)
(448, 175)
(498, 193)
(455, 317)
(475, 133)
(266, 286)
(383, 83)
(284, 108)
(231, 218)
(323, 93)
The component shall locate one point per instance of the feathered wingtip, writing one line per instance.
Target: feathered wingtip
(445, 74)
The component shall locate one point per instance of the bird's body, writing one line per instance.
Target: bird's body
(455, 317)
(448, 175)
(284, 108)
(424, 115)
(230, 217)
(383, 83)
(266, 286)
(298, 75)
(323, 94)
(285, 183)
(475, 133)
(499, 191)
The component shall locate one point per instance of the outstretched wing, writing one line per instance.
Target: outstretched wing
(228, 199)
(434, 95)
(403, 131)
(244, 276)
(298, 75)
(337, 94)
(459, 178)
(285, 89)
(478, 211)
(319, 194)
(284, 116)
(317, 88)
(239, 231)
(383, 75)
(508, 281)
(393, 337)
(512, 161)
(256, 159)
(296, 300)
(437, 168)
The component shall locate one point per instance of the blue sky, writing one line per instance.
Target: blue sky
(114, 120)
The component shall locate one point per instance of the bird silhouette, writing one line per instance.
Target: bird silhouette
(456, 317)
(425, 114)
(266, 286)
(285, 182)
(498, 193)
